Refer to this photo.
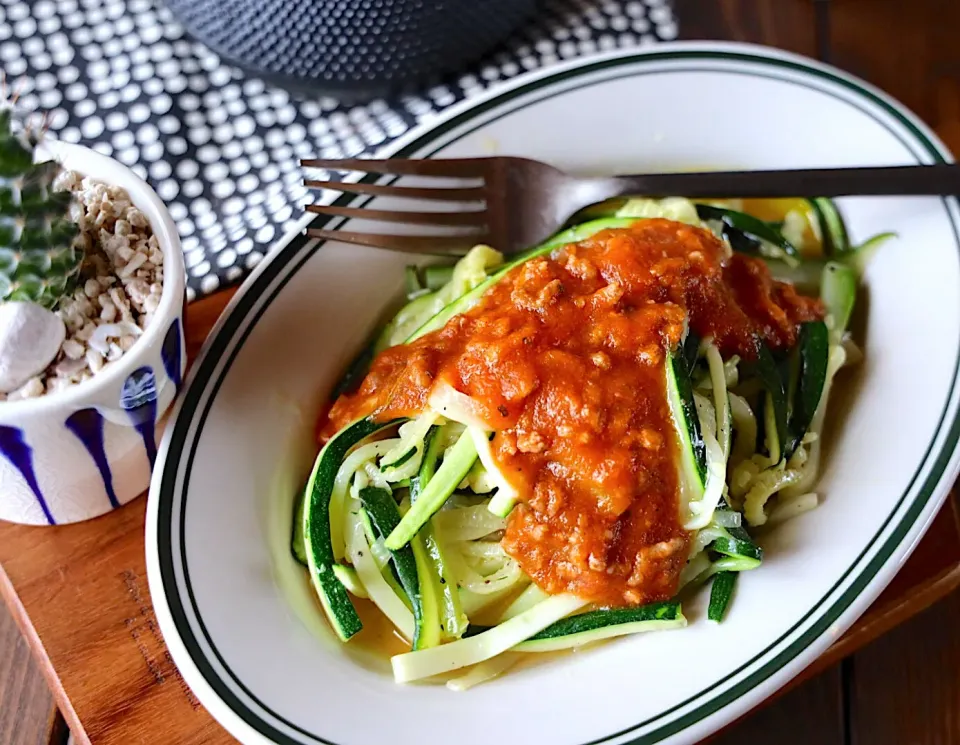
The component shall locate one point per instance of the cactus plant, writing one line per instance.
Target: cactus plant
(40, 257)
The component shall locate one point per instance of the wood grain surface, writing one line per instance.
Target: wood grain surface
(28, 715)
(905, 688)
(810, 714)
(79, 592)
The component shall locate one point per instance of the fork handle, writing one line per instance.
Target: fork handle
(939, 179)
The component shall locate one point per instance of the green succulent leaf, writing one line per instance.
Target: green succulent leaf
(39, 257)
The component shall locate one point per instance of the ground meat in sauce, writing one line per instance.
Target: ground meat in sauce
(565, 357)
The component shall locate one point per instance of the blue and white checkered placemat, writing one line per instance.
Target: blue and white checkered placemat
(221, 148)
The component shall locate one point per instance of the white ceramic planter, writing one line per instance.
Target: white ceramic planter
(78, 453)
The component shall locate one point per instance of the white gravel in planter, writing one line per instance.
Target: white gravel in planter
(120, 285)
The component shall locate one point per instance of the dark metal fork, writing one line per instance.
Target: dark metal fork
(515, 203)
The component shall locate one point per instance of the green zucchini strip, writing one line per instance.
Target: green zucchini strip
(859, 257)
(687, 425)
(813, 349)
(377, 581)
(297, 548)
(594, 626)
(432, 449)
(835, 361)
(748, 234)
(317, 529)
(353, 463)
(385, 516)
(451, 472)
(426, 663)
(680, 397)
(838, 290)
(734, 541)
(773, 382)
(723, 538)
(453, 620)
(830, 226)
(349, 579)
(702, 463)
(721, 593)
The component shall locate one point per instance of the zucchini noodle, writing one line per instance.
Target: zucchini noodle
(418, 506)
(745, 425)
(716, 469)
(467, 523)
(382, 594)
(345, 474)
(429, 662)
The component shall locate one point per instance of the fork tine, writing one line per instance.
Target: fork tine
(467, 194)
(440, 167)
(418, 218)
(434, 245)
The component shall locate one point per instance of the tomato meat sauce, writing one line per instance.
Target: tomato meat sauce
(564, 357)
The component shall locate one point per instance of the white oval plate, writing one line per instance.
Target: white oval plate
(233, 606)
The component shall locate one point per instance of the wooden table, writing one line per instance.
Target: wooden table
(79, 592)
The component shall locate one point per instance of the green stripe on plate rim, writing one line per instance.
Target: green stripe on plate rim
(292, 256)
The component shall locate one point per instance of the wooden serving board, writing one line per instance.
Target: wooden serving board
(79, 594)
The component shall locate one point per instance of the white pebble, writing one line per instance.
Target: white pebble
(91, 288)
(58, 384)
(137, 219)
(118, 297)
(73, 349)
(71, 368)
(30, 337)
(94, 360)
(73, 318)
(31, 389)
(135, 263)
(86, 332)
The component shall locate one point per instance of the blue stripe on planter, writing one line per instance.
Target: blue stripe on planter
(138, 398)
(170, 353)
(20, 454)
(87, 425)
